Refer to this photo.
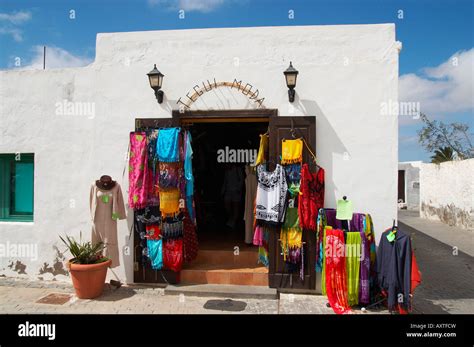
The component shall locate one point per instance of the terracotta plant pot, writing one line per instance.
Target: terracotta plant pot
(88, 279)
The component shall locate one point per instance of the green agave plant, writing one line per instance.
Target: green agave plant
(84, 252)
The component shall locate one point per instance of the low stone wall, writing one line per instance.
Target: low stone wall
(447, 192)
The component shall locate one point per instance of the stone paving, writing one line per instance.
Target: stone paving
(447, 271)
(20, 296)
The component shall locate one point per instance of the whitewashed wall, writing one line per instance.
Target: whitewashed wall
(412, 183)
(346, 73)
(447, 192)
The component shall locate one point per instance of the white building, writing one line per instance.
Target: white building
(76, 121)
(409, 185)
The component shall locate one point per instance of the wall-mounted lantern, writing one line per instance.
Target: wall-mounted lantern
(156, 80)
(290, 76)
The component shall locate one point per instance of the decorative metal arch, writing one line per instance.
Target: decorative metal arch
(198, 91)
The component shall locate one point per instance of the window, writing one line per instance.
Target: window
(16, 187)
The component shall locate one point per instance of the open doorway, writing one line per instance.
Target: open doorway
(221, 152)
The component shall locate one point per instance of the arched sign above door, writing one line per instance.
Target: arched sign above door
(194, 94)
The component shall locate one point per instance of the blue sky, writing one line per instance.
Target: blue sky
(433, 33)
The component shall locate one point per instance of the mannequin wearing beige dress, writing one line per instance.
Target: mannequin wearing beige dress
(107, 206)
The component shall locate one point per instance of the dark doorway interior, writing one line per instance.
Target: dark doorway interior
(219, 175)
(401, 185)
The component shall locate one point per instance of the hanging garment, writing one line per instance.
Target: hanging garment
(188, 174)
(153, 232)
(394, 269)
(311, 198)
(321, 224)
(169, 175)
(353, 256)
(263, 248)
(250, 195)
(364, 284)
(173, 254)
(167, 146)
(292, 151)
(190, 239)
(323, 274)
(152, 137)
(293, 173)
(258, 236)
(355, 224)
(172, 230)
(290, 234)
(107, 206)
(137, 175)
(336, 282)
(155, 253)
(271, 195)
(262, 155)
(169, 201)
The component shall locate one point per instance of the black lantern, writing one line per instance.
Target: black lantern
(290, 76)
(156, 79)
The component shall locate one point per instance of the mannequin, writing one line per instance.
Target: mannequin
(105, 182)
(107, 207)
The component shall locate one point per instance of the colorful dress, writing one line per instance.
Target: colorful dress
(311, 198)
(271, 195)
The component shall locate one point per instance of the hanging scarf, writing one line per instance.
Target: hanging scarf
(262, 150)
(173, 254)
(311, 198)
(290, 234)
(336, 282)
(263, 248)
(167, 146)
(323, 274)
(353, 255)
(155, 253)
(169, 175)
(364, 285)
(152, 137)
(190, 240)
(169, 201)
(137, 173)
(292, 151)
(321, 224)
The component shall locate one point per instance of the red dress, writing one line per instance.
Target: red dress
(311, 197)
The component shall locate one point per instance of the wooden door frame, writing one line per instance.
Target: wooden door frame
(219, 115)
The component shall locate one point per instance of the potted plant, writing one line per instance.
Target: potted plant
(88, 267)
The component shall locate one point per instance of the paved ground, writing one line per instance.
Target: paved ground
(20, 296)
(444, 256)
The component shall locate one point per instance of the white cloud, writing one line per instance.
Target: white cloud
(56, 57)
(188, 5)
(9, 23)
(15, 33)
(16, 18)
(447, 88)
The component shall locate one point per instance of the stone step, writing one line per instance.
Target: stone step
(216, 257)
(222, 290)
(218, 274)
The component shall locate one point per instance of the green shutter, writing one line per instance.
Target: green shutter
(16, 187)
